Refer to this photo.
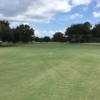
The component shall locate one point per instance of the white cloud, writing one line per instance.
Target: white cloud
(36, 10)
(15, 24)
(32, 11)
(76, 15)
(96, 14)
(42, 33)
(50, 33)
(81, 2)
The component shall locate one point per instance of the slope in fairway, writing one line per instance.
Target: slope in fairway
(50, 71)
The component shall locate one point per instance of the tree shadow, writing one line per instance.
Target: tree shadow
(7, 45)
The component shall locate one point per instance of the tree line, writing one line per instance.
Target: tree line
(76, 33)
(22, 33)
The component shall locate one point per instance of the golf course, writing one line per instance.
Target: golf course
(50, 71)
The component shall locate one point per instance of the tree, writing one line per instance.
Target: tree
(23, 33)
(42, 39)
(96, 33)
(5, 31)
(46, 39)
(79, 32)
(87, 27)
(96, 30)
(58, 37)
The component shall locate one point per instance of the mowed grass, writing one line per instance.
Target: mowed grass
(50, 71)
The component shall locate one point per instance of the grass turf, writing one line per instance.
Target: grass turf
(50, 71)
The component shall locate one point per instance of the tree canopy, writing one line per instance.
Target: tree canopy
(79, 32)
(22, 33)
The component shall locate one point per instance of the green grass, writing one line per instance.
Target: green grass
(50, 71)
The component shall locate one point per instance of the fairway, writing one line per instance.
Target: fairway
(50, 71)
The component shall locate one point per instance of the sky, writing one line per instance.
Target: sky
(49, 16)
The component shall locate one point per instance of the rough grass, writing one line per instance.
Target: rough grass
(50, 71)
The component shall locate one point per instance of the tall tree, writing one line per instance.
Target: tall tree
(5, 31)
(96, 33)
(78, 32)
(96, 30)
(23, 33)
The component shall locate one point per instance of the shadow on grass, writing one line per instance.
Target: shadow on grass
(2, 45)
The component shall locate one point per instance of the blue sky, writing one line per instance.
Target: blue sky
(49, 16)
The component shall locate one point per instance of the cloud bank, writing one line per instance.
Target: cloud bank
(36, 10)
